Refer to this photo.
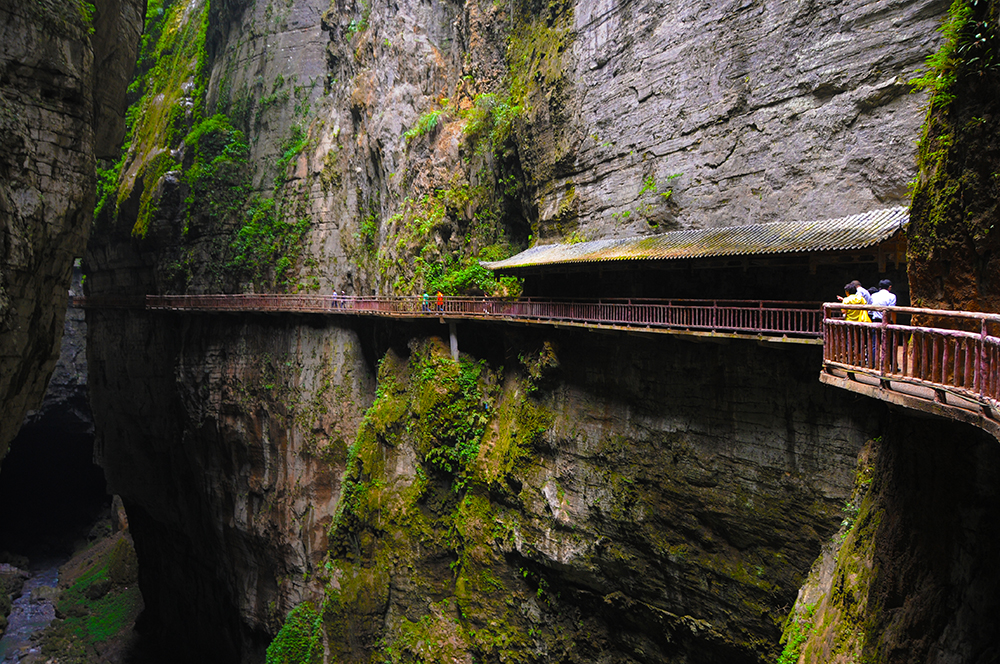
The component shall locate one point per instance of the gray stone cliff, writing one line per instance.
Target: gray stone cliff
(677, 494)
(62, 100)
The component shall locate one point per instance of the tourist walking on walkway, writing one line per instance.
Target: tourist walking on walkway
(883, 297)
(425, 303)
(440, 301)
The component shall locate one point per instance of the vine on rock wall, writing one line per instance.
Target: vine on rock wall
(954, 247)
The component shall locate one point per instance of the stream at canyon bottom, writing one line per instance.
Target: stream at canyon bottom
(31, 612)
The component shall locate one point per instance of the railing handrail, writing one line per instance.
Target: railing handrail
(961, 362)
(952, 313)
(811, 304)
(762, 317)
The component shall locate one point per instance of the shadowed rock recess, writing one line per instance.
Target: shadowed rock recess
(310, 488)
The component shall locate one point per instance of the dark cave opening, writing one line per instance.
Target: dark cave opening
(51, 491)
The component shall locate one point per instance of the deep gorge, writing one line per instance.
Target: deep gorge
(328, 488)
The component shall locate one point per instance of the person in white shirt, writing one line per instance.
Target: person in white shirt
(863, 292)
(884, 297)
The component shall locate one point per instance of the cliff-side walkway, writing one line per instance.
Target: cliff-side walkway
(784, 322)
(948, 366)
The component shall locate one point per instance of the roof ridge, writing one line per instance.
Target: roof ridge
(840, 233)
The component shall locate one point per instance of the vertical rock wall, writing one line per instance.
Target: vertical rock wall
(911, 576)
(53, 93)
(666, 502)
(417, 139)
(226, 445)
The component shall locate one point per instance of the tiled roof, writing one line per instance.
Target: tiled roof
(854, 232)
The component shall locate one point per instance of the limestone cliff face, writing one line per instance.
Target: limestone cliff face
(621, 119)
(226, 445)
(550, 496)
(61, 104)
(764, 111)
(66, 404)
(910, 577)
(412, 139)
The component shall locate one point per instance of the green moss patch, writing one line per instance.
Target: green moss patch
(98, 603)
(432, 523)
(300, 639)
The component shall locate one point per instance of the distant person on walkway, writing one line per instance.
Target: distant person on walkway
(425, 303)
(333, 300)
(884, 297)
(440, 301)
(854, 297)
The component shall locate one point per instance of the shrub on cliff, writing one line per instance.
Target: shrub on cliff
(123, 568)
(300, 639)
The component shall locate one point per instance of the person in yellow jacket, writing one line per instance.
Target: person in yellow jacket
(854, 297)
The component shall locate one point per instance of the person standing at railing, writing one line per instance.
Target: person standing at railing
(334, 300)
(867, 348)
(425, 305)
(883, 297)
(861, 290)
(854, 297)
(440, 301)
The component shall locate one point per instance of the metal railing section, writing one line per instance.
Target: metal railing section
(758, 317)
(956, 360)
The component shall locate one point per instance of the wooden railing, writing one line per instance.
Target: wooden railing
(801, 320)
(961, 359)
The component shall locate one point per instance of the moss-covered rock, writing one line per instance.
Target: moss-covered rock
(953, 255)
(299, 641)
(830, 617)
(97, 604)
(464, 532)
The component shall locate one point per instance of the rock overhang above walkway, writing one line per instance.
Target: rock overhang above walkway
(867, 230)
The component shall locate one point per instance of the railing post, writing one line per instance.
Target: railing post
(884, 349)
(981, 358)
(826, 338)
